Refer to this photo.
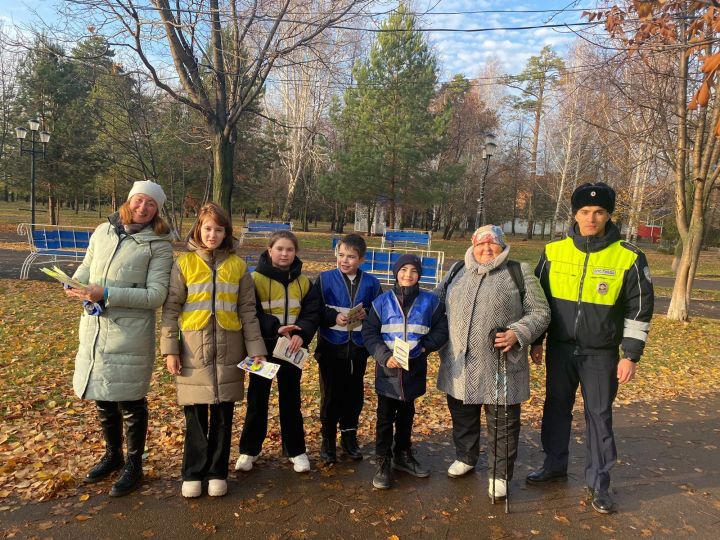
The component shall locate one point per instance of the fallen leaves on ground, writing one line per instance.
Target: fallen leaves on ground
(49, 438)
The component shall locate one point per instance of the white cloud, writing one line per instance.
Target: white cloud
(462, 52)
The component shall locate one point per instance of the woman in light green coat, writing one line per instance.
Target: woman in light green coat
(127, 269)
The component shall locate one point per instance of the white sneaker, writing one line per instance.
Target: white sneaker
(500, 488)
(458, 468)
(191, 488)
(300, 463)
(245, 462)
(217, 487)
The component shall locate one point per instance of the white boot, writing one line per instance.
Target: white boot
(191, 488)
(458, 468)
(245, 462)
(217, 487)
(500, 489)
(300, 463)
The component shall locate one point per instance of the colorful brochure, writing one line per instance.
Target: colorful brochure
(282, 351)
(262, 368)
(62, 277)
(401, 353)
(353, 317)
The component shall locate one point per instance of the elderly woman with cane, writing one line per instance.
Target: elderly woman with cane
(495, 309)
(126, 271)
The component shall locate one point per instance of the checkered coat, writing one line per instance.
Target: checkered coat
(480, 298)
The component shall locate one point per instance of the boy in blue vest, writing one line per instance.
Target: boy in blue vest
(418, 318)
(340, 352)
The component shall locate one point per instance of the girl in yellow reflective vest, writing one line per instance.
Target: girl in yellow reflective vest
(209, 324)
(285, 308)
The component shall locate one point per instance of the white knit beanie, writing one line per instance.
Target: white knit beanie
(151, 189)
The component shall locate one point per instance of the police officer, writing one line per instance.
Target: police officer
(601, 298)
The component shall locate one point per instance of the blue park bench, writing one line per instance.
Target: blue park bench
(409, 238)
(257, 228)
(53, 243)
(335, 241)
(380, 261)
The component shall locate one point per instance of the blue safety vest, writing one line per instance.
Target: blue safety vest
(395, 324)
(336, 295)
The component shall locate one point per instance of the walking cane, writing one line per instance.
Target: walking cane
(501, 368)
(495, 436)
(503, 356)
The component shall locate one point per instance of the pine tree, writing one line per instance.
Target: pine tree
(389, 131)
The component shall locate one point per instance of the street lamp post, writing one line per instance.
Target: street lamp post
(21, 133)
(487, 153)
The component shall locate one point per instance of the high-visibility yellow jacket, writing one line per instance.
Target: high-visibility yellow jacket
(283, 298)
(283, 301)
(600, 293)
(210, 320)
(210, 291)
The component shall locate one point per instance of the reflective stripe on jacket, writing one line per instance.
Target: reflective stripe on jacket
(600, 293)
(411, 328)
(277, 300)
(337, 296)
(211, 292)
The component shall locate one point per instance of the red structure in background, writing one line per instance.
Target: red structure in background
(650, 233)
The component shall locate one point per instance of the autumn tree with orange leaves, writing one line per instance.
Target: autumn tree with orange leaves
(689, 31)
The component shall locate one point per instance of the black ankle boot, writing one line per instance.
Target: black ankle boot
(112, 461)
(130, 478)
(111, 422)
(404, 460)
(135, 414)
(383, 478)
(328, 450)
(349, 442)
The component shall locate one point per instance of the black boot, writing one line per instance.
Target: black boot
(404, 460)
(383, 478)
(135, 414)
(111, 422)
(328, 450)
(349, 443)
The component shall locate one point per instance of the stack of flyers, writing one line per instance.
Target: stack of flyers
(352, 315)
(262, 368)
(62, 277)
(282, 351)
(401, 353)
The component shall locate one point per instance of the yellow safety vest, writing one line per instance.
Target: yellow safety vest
(211, 292)
(278, 301)
(592, 278)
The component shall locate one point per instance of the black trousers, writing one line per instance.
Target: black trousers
(342, 393)
(291, 419)
(597, 377)
(393, 413)
(207, 445)
(466, 434)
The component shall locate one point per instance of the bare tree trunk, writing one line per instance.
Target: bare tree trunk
(223, 160)
(533, 160)
(563, 176)
(641, 171)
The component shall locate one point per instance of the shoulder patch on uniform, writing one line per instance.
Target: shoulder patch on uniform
(646, 271)
(631, 247)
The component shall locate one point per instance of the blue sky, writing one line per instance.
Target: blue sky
(458, 52)
(467, 52)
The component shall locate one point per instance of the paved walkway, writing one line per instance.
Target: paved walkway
(666, 485)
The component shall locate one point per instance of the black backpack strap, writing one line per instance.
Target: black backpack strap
(454, 269)
(517, 276)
